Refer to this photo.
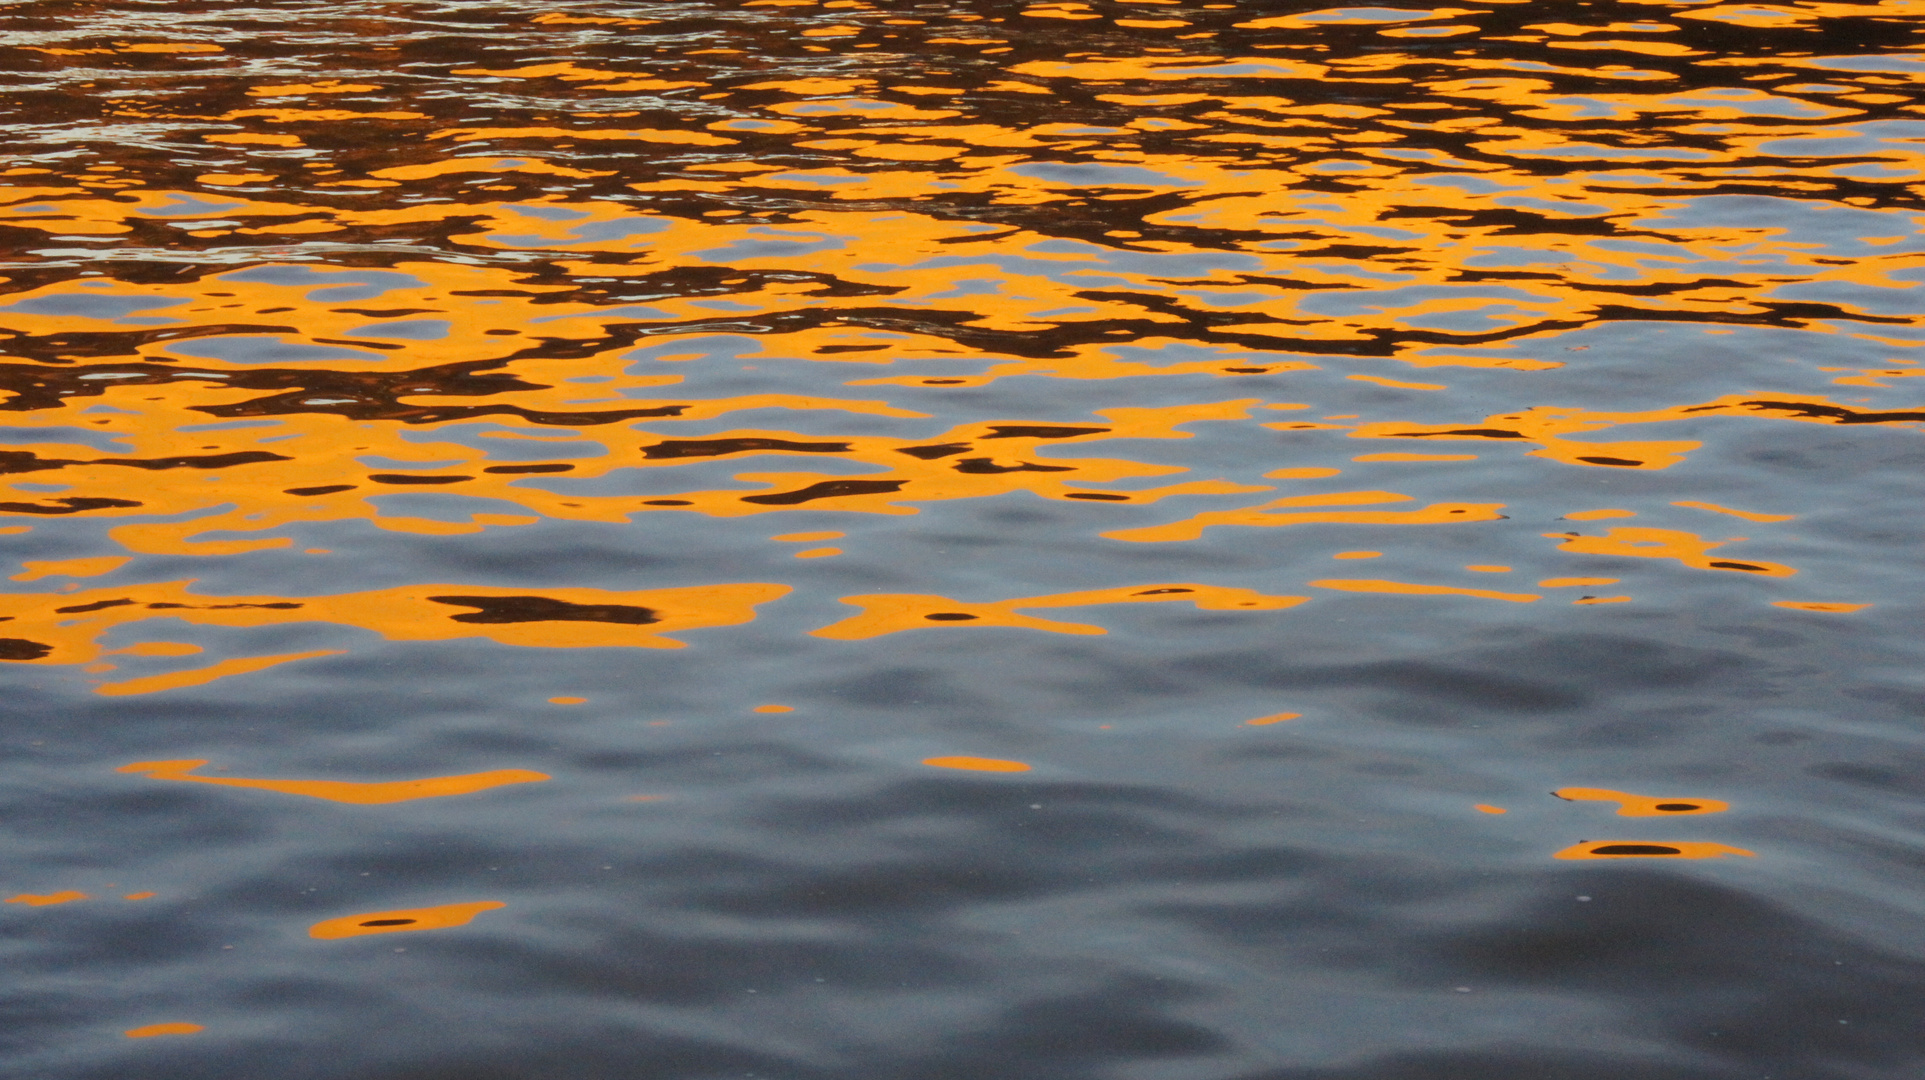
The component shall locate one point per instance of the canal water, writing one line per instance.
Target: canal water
(1096, 540)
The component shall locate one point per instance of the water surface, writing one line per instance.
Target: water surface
(1141, 541)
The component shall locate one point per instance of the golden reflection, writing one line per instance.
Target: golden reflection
(48, 899)
(1401, 588)
(976, 764)
(66, 628)
(342, 791)
(1646, 849)
(891, 613)
(1687, 548)
(173, 1028)
(1630, 805)
(410, 919)
(584, 284)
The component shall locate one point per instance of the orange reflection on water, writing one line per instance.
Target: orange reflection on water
(1819, 605)
(175, 1028)
(1401, 588)
(66, 628)
(1687, 548)
(891, 613)
(1282, 512)
(1630, 805)
(409, 919)
(342, 791)
(33, 900)
(1649, 849)
(586, 273)
(976, 764)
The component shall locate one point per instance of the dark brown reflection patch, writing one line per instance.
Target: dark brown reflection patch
(324, 489)
(1479, 433)
(828, 489)
(556, 467)
(95, 606)
(930, 453)
(525, 609)
(951, 616)
(207, 461)
(1017, 431)
(13, 648)
(980, 465)
(65, 506)
(686, 448)
(1631, 849)
(407, 478)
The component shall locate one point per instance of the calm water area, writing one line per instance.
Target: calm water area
(891, 540)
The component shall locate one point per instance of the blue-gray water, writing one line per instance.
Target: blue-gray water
(926, 541)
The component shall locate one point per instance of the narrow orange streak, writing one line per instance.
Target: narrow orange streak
(389, 922)
(1630, 805)
(361, 794)
(51, 898)
(976, 764)
(1819, 605)
(199, 676)
(1377, 586)
(1748, 515)
(1649, 849)
(164, 1029)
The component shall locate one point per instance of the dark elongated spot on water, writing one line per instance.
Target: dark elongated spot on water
(930, 453)
(69, 505)
(13, 648)
(324, 489)
(1482, 433)
(1097, 495)
(523, 609)
(205, 461)
(666, 502)
(1738, 566)
(357, 343)
(95, 606)
(408, 478)
(950, 616)
(983, 465)
(684, 448)
(388, 922)
(1676, 806)
(554, 467)
(1040, 431)
(828, 489)
(1610, 461)
(1635, 849)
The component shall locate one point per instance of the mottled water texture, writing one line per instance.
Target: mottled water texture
(943, 541)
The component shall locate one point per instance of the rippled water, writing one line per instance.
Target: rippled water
(1141, 541)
